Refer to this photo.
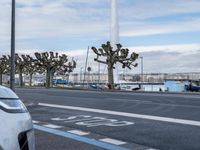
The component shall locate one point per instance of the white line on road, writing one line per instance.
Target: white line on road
(78, 132)
(52, 126)
(112, 141)
(125, 114)
(57, 119)
(34, 121)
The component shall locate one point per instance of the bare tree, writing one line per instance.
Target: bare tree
(51, 62)
(4, 67)
(21, 64)
(111, 57)
(31, 67)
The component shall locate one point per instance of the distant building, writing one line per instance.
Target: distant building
(160, 77)
(39, 79)
(89, 77)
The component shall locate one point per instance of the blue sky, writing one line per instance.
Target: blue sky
(166, 33)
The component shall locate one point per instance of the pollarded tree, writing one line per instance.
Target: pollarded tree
(112, 56)
(50, 61)
(4, 66)
(31, 67)
(21, 63)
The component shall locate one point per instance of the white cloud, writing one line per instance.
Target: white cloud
(171, 62)
(180, 48)
(90, 19)
(55, 19)
(141, 29)
(52, 19)
(144, 9)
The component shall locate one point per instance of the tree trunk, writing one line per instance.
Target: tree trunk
(110, 77)
(20, 78)
(48, 76)
(0, 78)
(30, 79)
(51, 77)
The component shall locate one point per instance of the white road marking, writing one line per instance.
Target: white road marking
(52, 126)
(34, 121)
(57, 119)
(125, 114)
(112, 141)
(78, 132)
(91, 121)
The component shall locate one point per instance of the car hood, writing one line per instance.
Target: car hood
(7, 93)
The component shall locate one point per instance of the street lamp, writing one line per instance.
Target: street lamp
(142, 74)
(12, 61)
(86, 62)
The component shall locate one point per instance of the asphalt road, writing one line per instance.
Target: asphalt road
(85, 120)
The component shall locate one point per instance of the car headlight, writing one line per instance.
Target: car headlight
(12, 106)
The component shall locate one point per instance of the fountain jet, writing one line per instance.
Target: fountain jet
(114, 35)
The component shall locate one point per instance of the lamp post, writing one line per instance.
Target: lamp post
(142, 73)
(86, 62)
(12, 72)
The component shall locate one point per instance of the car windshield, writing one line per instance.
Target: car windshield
(100, 74)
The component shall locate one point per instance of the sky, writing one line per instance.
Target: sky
(165, 33)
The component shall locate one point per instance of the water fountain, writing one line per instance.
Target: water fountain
(114, 32)
(114, 35)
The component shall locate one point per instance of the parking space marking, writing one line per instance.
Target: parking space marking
(83, 139)
(112, 141)
(93, 121)
(52, 126)
(78, 132)
(125, 114)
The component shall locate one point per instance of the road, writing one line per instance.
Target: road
(74, 120)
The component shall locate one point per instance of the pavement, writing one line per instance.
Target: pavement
(74, 120)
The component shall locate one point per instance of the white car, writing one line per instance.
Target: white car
(16, 128)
